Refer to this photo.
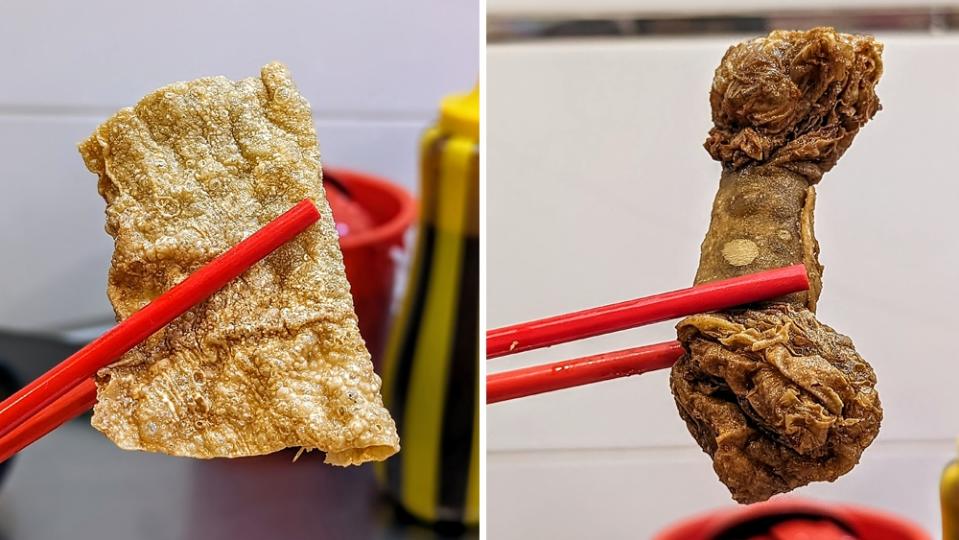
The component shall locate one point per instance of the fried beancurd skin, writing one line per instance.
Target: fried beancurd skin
(274, 359)
(776, 398)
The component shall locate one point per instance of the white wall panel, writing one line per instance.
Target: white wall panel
(599, 190)
(632, 494)
(348, 57)
(373, 71)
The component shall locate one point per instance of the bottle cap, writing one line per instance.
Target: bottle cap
(459, 114)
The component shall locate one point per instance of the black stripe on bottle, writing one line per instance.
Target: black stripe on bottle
(456, 444)
(417, 288)
(404, 357)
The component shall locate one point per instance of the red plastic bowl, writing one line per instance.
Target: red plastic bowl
(373, 216)
(865, 523)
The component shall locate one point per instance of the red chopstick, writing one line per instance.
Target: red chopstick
(77, 370)
(711, 296)
(72, 404)
(589, 369)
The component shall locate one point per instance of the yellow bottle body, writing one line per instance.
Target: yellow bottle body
(431, 369)
(949, 500)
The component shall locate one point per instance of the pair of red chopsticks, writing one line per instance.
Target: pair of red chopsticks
(713, 296)
(68, 389)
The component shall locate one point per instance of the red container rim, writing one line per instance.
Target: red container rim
(866, 522)
(392, 230)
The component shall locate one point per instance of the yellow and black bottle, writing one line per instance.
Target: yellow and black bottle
(949, 500)
(431, 370)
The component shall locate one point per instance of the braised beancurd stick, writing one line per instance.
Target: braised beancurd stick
(775, 397)
(76, 371)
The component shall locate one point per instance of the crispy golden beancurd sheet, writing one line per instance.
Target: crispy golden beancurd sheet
(776, 398)
(273, 360)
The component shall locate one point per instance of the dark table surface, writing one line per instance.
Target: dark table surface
(74, 483)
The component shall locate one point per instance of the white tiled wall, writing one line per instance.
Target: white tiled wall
(673, 7)
(599, 190)
(374, 72)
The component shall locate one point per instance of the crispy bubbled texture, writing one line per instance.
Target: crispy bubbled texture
(274, 359)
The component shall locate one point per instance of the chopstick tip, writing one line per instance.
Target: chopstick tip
(307, 205)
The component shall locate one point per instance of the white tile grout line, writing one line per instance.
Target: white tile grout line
(935, 446)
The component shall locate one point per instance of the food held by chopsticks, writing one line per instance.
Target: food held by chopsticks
(274, 359)
(775, 397)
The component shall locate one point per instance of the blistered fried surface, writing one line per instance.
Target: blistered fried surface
(794, 99)
(275, 359)
(776, 398)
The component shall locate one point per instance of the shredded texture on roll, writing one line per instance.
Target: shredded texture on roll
(793, 99)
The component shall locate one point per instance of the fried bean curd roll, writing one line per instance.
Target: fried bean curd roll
(775, 397)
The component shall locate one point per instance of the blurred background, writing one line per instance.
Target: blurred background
(374, 72)
(599, 190)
